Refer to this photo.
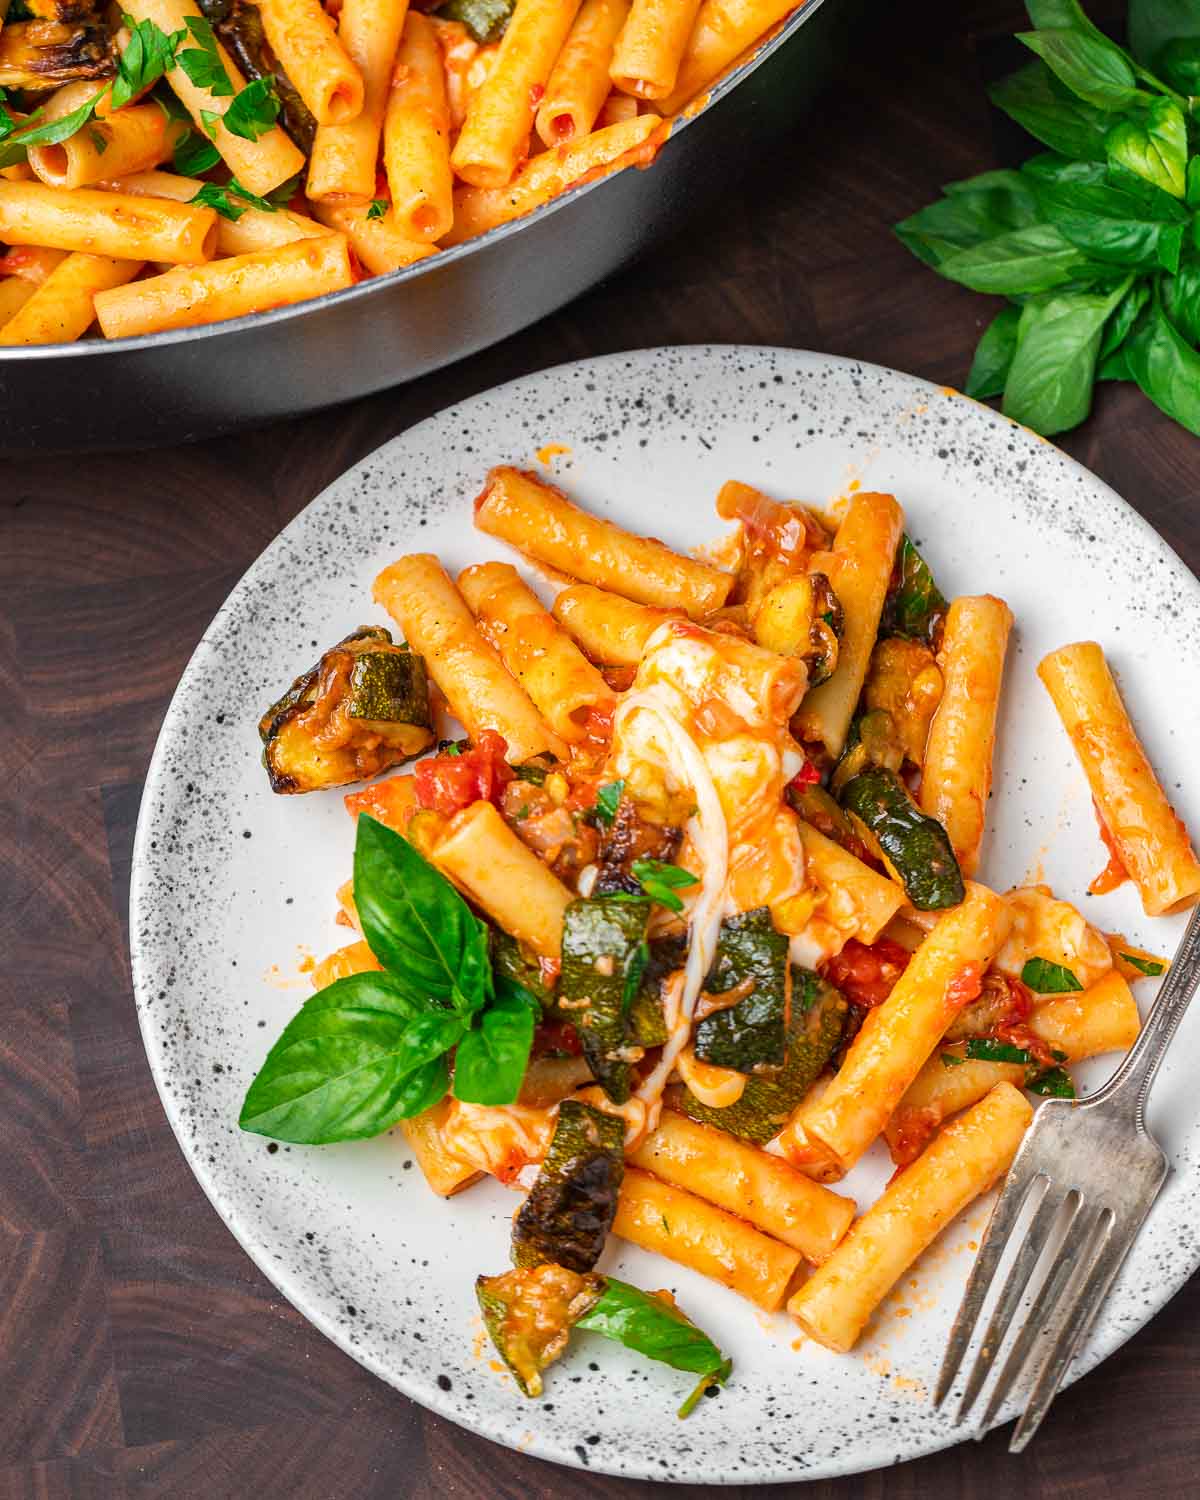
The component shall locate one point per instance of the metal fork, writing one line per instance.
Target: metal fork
(1084, 1180)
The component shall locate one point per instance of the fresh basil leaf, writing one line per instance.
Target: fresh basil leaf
(254, 110)
(658, 1329)
(1181, 298)
(379, 207)
(1116, 330)
(1067, 15)
(1165, 367)
(202, 63)
(660, 881)
(1092, 67)
(1036, 259)
(1149, 966)
(1038, 103)
(994, 355)
(194, 155)
(416, 923)
(1154, 147)
(987, 1049)
(1114, 366)
(1155, 24)
(149, 53)
(1178, 63)
(608, 799)
(1049, 386)
(1054, 1083)
(1046, 978)
(1135, 230)
(950, 1061)
(491, 1059)
(358, 1056)
(972, 211)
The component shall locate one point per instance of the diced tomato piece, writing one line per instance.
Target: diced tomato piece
(867, 974)
(448, 783)
(556, 1036)
(807, 775)
(392, 801)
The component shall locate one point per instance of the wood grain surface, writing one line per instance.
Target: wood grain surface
(142, 1354)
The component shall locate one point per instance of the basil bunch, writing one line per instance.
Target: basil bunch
(372, 1049)
(1095, 243)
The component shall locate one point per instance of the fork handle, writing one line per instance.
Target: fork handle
(1130, 1084)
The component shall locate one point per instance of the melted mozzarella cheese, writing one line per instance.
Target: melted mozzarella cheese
(1044, 927)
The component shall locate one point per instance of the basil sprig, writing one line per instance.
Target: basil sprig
(1150, 966)
(660, 881)
(654, 1327)
(1094, 242)
(1046, 978)
(372, 1048)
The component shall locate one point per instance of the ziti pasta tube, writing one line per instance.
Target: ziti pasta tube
(342, 161)
(1085, 1023)
(724, 29)
(260, 165)
(539, 653)
(254, 228)
(128, 140)
(580, 83)
(378, 243)
(856, 901)
(538, 520)
(442, 1170)
(543, 177)
(481, 853)
(649, 49)
(943, 1088)
(1149, 838)
(859, 569)
(15, 292)
(97, 223)
(611, 630)
(474, 681)
(63, 307)
(826, 1138)
(495, 134)
(301, 35)
(760, 1188)
(956, 775)
(416, 136)
(685, 1229)
(964, 1160)
(188, 295)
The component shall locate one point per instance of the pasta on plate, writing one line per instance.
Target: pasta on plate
(283, 149)
(692, 916)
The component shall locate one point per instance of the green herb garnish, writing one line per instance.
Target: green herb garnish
(253, 112)
(1149, 966)
(1046, 978)
(1054, 1082)
(379, 207)
(987, 1049)
(608, 799)
(660, 881)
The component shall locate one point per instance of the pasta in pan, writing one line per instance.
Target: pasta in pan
(406, 130)
(679, 931)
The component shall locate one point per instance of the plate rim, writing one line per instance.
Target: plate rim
(428, 1394)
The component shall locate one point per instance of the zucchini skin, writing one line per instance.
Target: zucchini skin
(817, 1021)
(570, 1208)
(604, 956)
(530, 1313)
(300, 753)
(753, 1033)
(915, 844)
(647, 1022)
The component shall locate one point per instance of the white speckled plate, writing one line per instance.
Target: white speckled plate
(232, 886)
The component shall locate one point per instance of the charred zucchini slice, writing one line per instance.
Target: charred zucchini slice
(511, 960)
(814, 1030)
(647, 1020)
(751, 961)
(915, 845)
(915, 607)
(604, 956)
(570, 1208)
(362, 709)
(529, 1314)
(38, 55)
(240, 28)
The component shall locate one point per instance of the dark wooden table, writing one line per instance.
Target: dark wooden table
(142, 1354)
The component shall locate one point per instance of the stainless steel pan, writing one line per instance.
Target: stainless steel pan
(173, 387)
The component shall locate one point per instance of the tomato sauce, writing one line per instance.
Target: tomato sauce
(866, 974)
(448, 783)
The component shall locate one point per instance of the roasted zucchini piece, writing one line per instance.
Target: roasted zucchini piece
(570, 1208)
(647, 1020)
(52, 10)
(514, 962)
(915, 607)
(915, 845)
(751, 962)
(486, 20)
(905, 682)
(362, 709)
(529, 1314)
(39, 55)
(240, 28)
(818, 1016)
(604, 956)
